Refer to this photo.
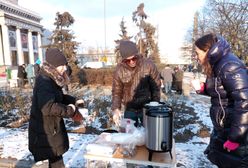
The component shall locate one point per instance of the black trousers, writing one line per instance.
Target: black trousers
(179, 86)
(56, 162)
(223, 159)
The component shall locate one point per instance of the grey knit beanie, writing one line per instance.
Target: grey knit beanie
(127, 49)
(55, 57)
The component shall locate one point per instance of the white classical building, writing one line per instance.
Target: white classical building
(20, 34)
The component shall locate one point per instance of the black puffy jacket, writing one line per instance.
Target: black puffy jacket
(47, 133)
(228, 89)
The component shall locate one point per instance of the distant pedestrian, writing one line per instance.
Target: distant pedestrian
(167, 78)
(194, 70)
(190, 67)
(47, 136)
(37, 67)
(22, 75)
(178, 77)
(30, 74)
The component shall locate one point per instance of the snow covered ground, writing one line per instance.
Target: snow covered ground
(189, 152)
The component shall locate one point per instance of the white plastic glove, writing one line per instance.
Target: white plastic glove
(117, 117)
(80, 103)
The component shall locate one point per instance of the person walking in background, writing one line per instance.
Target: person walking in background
(194, 69)
(167, 78)
(136, 81)
(30, 74)
(47, 134)
(37, 67)
(227, 85)
(178, 77)
(22, 75)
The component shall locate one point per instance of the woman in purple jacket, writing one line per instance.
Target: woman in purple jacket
(227, 85)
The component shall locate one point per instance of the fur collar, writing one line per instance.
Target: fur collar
(50, 70)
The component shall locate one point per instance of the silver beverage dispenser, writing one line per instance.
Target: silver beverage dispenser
(158, 122)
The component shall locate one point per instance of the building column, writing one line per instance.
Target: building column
(19, 46)
(30, 47)
(1, 50)
(40, 55)
(6, 46)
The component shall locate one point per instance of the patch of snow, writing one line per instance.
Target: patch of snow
(192, 127)
(14, 142)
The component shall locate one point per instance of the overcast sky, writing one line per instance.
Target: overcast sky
(171, 18)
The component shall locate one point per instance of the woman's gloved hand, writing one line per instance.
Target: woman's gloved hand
(230, 146)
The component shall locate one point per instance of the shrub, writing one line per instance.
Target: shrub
(102, 76)
(14, 104)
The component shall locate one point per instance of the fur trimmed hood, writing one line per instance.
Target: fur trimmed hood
(50, 70)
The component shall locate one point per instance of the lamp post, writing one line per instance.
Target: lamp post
(104, 27)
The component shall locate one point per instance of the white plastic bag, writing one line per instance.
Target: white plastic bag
(136, 138)
(196, 84)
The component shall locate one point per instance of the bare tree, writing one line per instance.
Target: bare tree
(229, 18)
(146, 36)
(123, 36)
(63, 39)
(187, 50)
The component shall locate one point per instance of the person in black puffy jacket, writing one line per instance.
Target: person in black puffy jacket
(47, 134)
(227, 85)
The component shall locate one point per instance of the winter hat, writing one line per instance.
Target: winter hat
(55, 57)
(127, 49)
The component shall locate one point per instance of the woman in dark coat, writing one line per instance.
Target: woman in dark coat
(227, 84)
(48, 138)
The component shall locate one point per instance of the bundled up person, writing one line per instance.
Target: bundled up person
(30, 74)
(48, 138)
(136, 81)
(167, 78)
(227, 84)
(22, 75)
(37, 67)
(178, 79)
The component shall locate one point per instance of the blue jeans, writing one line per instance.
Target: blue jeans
(167, 87)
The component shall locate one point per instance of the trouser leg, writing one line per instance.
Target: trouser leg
(166, 87)
(56, 162)
(21, 82)
(219, 156)
(179, 87)
(169, 86)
